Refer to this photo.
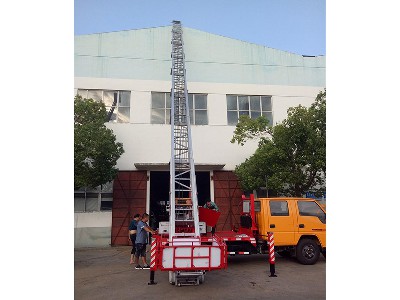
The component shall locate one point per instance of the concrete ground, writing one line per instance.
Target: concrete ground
(105, 273)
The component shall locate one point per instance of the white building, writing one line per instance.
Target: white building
(226, 78)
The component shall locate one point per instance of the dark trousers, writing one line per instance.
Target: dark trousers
(133, 239)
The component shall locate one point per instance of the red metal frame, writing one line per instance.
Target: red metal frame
(162, 243)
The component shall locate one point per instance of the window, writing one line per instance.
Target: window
(279, 208)
(117, 103)
(161, 108)
(308, 208)
(252, 106)
(198, 109)
(97, 199)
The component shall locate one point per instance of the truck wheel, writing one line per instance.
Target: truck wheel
(307, 252)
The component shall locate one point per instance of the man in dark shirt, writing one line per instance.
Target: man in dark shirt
(132, 235)
(141, 241)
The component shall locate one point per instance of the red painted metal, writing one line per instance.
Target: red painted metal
(271, 248)
(209, 216)
(231, 236)
(162, 243)
(153, 252)
(253, 213)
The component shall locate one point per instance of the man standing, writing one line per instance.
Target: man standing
(141, 241)
(132, 235)
(211, 205)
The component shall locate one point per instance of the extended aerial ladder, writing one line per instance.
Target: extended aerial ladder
(182, 250)
(183, 193)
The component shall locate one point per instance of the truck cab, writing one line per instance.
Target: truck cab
(298, 225)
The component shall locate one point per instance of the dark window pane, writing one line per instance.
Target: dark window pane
(200, 102)
(124, 98)
(168, 100)
(92, 195)
(201, 117)
(255, 103)
(106, 195)
(266, 103)
(279, 208)
(82, 93)
(190, 99)
(108, 98)
(106, 205)
(92, 204)
(268, 115)
(79, 204)
(232, 118)
(157, 116)
(95, 95)
(243, 103)
(231, 102)
(255, 114)
(123, 114)
(168, 116)
(157, 100)
(311, 209)
(79, 195)
(192, 120)
(243, 113)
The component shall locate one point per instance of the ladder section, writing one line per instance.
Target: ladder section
(184, 217)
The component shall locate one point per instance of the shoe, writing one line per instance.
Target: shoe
(138, 267)
(146, 267)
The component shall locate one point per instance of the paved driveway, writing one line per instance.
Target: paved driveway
(105, 273)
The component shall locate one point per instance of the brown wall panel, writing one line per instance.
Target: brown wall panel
(121, 240)
(121, 230)
(119, 212)
(227, 195)
(129, 198)
(118, 222)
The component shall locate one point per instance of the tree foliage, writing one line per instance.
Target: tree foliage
(95, 148)
(291, 155)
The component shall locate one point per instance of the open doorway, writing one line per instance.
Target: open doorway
(159, 194)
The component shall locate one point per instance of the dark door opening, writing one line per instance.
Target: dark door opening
(159, 194)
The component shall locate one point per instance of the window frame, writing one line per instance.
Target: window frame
(282, 213)
(117, 106)
(192, 111)
(321, 216)
(252, 113)
(167, 109)
(102, 194)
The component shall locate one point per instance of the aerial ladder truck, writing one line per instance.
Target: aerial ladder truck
(183, 251)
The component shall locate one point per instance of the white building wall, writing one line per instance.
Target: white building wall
(150, 143)
(92, 229)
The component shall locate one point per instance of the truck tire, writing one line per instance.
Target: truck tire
(307, 252)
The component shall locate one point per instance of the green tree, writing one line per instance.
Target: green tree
(291, 155)
(95, 148)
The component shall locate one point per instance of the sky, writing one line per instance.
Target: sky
(297, 26)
